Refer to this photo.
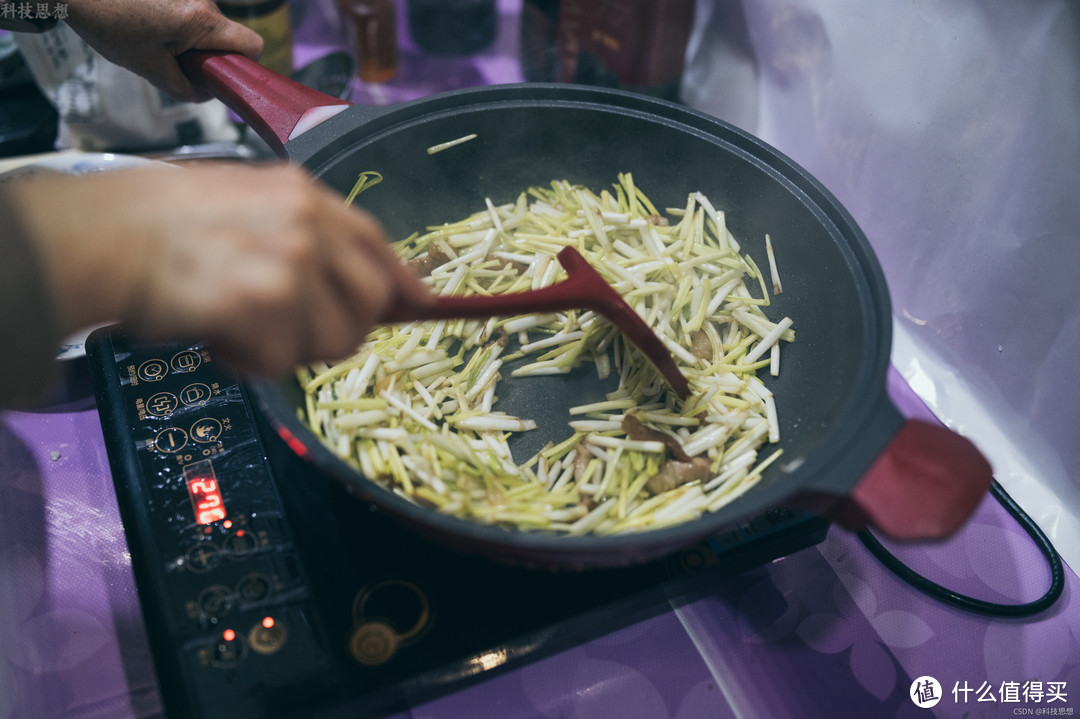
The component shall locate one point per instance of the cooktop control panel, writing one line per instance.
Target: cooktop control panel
(216, 565)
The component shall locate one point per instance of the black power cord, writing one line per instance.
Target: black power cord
(971, 604)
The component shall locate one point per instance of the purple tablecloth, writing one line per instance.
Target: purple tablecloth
(825, 632)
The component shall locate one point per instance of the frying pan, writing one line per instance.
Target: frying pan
(848, 453)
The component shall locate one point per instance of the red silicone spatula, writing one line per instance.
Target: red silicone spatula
(583, 288)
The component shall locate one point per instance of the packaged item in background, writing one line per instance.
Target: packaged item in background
(452, 27)
(27, 119)
(103, 107)
(373, 32)
(272, 20)
(945, 130)
(637, 45)
(539, 45)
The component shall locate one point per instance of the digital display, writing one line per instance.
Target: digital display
(204, 492)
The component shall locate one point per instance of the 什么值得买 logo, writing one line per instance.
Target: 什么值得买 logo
(925, 692)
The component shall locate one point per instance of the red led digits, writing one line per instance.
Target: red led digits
(204, 492)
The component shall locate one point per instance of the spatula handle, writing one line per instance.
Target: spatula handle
(574, 292)
(583, 288)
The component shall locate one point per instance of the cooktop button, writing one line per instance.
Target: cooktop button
(268, 636)
(170, 439)
(215, 601)
(373, 643)
(206, 430)
(186, 361)
(153, 370)
(162, 404)
(254, 587)
(202, 557)
(240, 544)
(194, 394)
(227, 651)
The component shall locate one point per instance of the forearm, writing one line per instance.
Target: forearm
(267, 266)
(77, 228)
(28, 321)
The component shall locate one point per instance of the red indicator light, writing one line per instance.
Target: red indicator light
(229, 635)
(204, 492)
(268, 622)
(239, 532)
(227, 523)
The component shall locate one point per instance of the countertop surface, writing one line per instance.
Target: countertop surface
(824, 632)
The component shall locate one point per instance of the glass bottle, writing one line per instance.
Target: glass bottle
(373, 28)
(272, 21)
(539, 46)
(452, 27)
(637, 45)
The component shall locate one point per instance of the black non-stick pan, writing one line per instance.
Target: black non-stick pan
(848, 453)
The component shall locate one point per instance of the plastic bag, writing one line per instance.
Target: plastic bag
(950, 132)
(104, 107)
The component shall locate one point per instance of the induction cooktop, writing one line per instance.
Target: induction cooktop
(268, 591)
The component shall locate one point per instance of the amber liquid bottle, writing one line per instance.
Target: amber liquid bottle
(271, 19)
(373, 29)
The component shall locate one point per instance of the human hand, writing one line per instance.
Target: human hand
(146, 36)
(265, 264)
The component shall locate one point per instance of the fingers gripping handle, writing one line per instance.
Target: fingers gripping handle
(924, 485)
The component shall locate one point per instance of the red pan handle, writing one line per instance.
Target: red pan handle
(276, 107)
(924, 485)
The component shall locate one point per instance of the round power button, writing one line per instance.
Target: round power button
(373, 642)
(267, 636)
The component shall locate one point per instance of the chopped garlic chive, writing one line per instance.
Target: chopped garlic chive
(732, 491)
(526, 322)
(450, 143)
(777, 288)
(665, 418)
(767, 341)
(591, 520)
(774, 422)
(496, 423)
(594, 425)
(359, 419)
(405, 408)
(416, 408)
(603, 406)
(634, 445)
(353, 404)
(364, 181)
(422, 373)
